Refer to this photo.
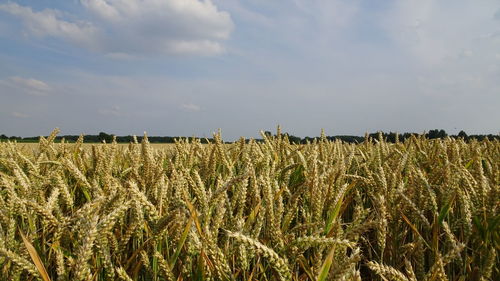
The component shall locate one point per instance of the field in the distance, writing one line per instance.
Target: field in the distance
(34, 146)
(418, 210)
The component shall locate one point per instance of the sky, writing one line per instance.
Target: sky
(190, 67)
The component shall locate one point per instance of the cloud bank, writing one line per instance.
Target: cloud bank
(121, 27)
(25, 86)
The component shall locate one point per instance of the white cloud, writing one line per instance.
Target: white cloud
(190, 107)
(49, 23)
(19, 115)
(434, 31)
(26, 85)
(465, 54)
(179, 27)
(112, 111)
(102, 8)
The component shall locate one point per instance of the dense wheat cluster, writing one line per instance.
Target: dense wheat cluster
(418, 210)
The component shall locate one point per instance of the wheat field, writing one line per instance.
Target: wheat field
(414, 210)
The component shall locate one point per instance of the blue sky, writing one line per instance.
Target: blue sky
(189, 67)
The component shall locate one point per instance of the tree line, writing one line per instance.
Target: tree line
(99, 138)
(390, 137)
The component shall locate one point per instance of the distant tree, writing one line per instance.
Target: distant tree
(128, 138)
(294, 139)
(391, 137)
(462, 135)
(3, 137)
(105, 137)
(437, 134)
(442, 134)
(432, 134)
